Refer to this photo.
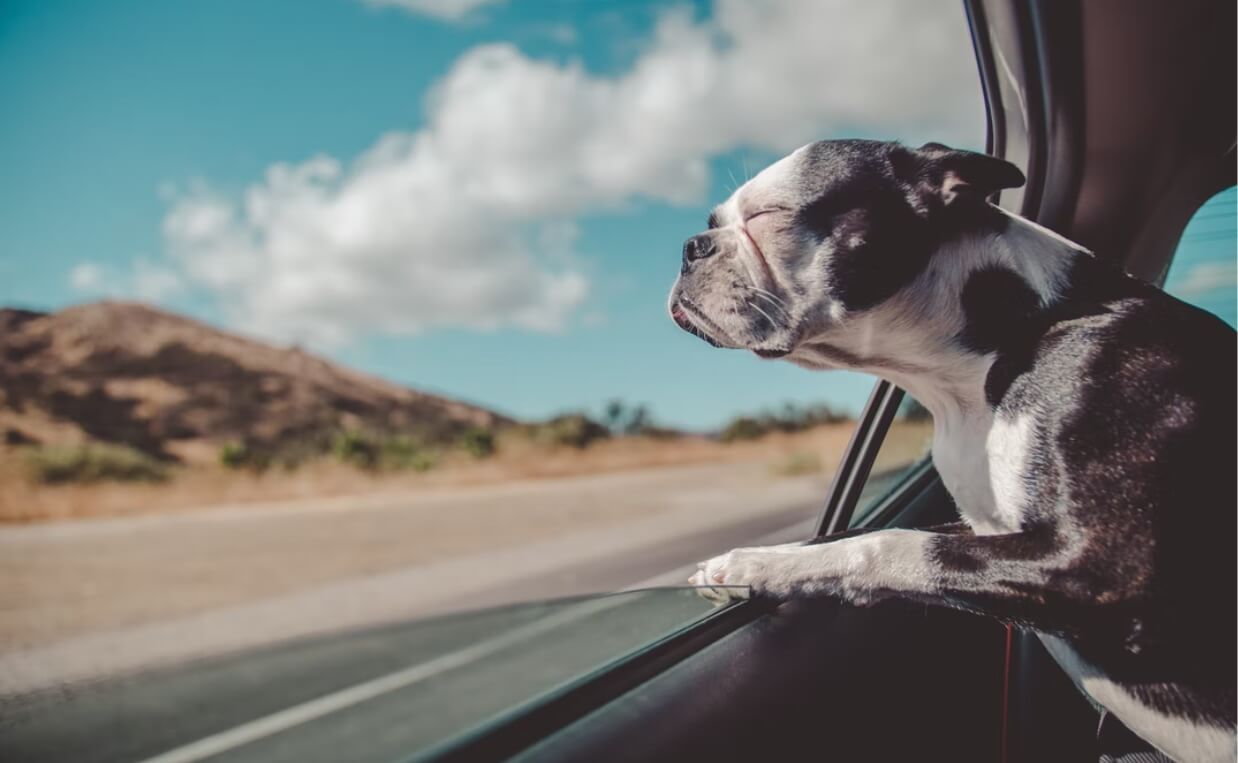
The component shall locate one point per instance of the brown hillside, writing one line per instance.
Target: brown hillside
(176, 388)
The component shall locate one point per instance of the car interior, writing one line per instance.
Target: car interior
(1121, 115)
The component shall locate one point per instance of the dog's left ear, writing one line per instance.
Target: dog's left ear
(954, 175)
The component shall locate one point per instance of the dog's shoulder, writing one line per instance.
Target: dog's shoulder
(1114, 337)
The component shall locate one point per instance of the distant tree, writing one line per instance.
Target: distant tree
(613, 415)
(638, 420)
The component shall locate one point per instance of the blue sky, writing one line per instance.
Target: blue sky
(1205, 267)
(484, 199)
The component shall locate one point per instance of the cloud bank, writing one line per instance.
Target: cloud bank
(468, 221)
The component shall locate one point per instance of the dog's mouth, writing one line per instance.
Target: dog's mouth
(693, 320)
(771, 353)
(687, 316)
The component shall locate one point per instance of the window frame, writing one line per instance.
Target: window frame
(857, 463)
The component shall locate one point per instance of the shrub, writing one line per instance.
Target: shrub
(357, 449)
(234, 455)
(401, 452)
(791, 418)
(574, 430)
(53, 465)
(478, 442)
(742, 428)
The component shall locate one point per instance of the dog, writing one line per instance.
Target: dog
(1083, 420)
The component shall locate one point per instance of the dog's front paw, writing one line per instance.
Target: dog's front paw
(735, 574)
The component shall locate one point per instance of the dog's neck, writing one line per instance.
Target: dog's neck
(914, 338)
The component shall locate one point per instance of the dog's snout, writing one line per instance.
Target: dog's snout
(698, 248)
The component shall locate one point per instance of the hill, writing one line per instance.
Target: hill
(178, 389)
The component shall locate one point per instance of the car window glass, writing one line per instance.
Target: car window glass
(903, 451)
(319, 317)
(1204, 271)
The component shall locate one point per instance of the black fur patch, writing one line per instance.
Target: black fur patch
(1093, 286)
(880, 207)
(880, 244)
(996, 302)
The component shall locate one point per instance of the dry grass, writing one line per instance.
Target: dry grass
(22, 500)
(201, 486)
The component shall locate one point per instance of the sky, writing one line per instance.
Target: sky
(479, 198)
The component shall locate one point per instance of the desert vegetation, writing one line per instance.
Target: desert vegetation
(100, 462)
(40, 481)
(116, 408)
(790, 418)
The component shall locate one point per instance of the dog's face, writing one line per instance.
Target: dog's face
(829, 232)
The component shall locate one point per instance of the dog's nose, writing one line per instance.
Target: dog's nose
(698, 248)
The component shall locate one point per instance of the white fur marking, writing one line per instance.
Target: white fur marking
(1176, 737)
(1008, 445)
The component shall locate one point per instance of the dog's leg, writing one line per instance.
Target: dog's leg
(1003, 576)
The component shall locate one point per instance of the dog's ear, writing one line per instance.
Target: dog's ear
(953, 175)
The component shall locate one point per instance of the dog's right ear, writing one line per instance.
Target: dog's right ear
(952, 175)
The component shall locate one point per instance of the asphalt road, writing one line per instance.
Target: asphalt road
(377, 692)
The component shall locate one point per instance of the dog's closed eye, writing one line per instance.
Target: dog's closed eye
(762, 212)
(758, 222)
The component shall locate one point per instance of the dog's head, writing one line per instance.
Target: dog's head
(832, 231)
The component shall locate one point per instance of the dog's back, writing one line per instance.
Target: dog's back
(1133, 394)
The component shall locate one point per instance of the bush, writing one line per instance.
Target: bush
(357, 449)
(791, 418)
(574, 430)
(234, 455)
(478, 442)
(375, 452)
(363, 450)
(742, 428)
(401, 452)
(54, 465)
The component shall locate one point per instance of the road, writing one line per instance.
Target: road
(209, 622)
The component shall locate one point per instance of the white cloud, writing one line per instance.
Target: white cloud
(144, 280)
(449, 10)
(153, 283)
(449, 225)
(88, 277)
(1205, 277)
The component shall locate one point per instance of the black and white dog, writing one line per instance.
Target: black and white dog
(1084, 422)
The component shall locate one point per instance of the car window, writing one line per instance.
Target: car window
(903, 452)
(1204, 270)
(382, 695)
(339, 341)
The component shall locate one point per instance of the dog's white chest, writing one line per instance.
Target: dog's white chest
(983, 462)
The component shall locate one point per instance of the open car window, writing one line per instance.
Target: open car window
(904, 452)
(1204, 270)
(357, 367)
